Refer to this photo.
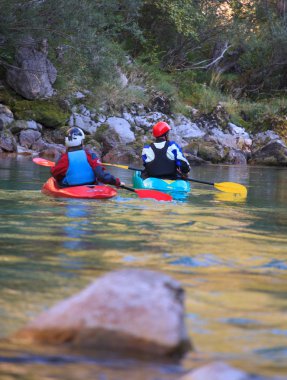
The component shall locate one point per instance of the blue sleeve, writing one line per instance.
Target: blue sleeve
(92, 154)
(180, 160)
(144, 156)
(104, 177)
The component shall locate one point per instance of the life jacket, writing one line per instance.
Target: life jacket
(161, 166)
(79, 171)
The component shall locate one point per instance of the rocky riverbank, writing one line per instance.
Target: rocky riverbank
(34, 119)
(119, 136)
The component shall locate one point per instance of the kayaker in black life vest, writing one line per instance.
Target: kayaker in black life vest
(164, 158)
(80, 166)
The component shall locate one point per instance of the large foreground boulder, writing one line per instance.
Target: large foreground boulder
(131, 311)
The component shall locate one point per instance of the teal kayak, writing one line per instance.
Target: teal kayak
(179, 189)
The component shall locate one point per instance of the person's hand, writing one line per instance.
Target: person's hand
(119, 182)
(183, 175)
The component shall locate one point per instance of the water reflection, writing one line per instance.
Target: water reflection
(77, 220)
(229, 254)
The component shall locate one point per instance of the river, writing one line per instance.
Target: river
(228, 253)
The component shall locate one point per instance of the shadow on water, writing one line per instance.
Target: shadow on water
(228, 253)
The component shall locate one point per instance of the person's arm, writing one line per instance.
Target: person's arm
(61, 167)
(100, 172)
(181, 162)
(105, 177)
(147, 154)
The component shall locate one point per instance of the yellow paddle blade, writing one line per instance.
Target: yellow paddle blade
(231, 187)
(117, 166)
(229, 197)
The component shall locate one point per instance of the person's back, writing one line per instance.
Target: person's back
(79, 166)
(79, 171)
(164, 158)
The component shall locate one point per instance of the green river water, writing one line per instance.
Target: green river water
(229, 254)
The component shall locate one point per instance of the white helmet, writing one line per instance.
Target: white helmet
(74, 137)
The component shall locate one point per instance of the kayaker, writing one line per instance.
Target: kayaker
(164, 158)
(80, 166)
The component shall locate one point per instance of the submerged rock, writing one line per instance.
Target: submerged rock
(131, 311)
(215, 371)
(222, 371)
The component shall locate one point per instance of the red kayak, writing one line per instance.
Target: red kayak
(83, 191)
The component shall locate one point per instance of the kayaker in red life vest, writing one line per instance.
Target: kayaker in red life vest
(164, 158)
(79, 166)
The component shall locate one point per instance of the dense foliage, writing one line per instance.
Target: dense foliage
(237, 48)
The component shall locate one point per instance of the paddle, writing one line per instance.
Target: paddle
(43, 162)
(228, 187)
(145, 193)
(142, 193)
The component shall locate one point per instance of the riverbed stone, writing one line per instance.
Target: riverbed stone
(132, 311)
(222, 371)
(216, 371)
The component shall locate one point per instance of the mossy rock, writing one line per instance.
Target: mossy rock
(206, 150)
(48, 113)
(240, 122)
(8, 97)
(278, 124)
(138, 144)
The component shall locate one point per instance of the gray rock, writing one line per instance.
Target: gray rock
(273, 153)
(84, 122)
(7, 142)
(147, 121)
(235, 130)
(215, 371)
(22, 125)
(32, 74)
(236, 157)
(222, 371)
(133, 310)
(122, 129)
(263, 138)
(185, 129)
(6, 116)
(28, 137)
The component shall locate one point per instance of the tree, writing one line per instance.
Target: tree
(83, 36)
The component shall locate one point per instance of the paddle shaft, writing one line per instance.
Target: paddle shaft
(229, 187)
(127, 188)
(184, 178)
(198, 181)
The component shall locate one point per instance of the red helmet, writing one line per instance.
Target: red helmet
(160, 129)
